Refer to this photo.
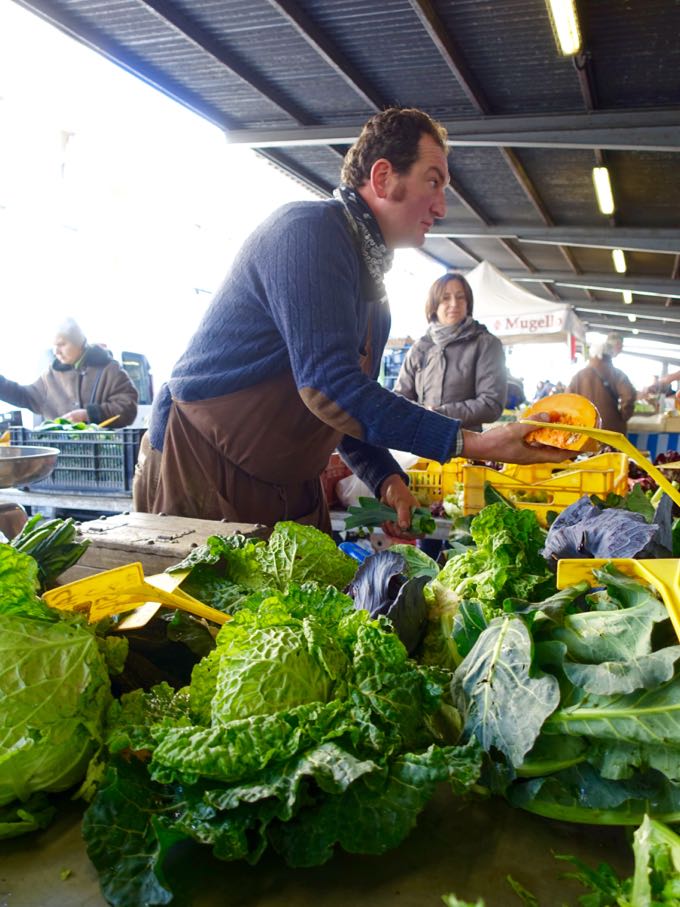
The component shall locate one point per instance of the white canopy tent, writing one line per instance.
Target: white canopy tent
(515, 315)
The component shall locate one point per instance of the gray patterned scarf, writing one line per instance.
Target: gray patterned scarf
(376, 256)
(443, 334)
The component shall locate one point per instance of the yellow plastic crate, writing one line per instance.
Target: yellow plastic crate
(542, 489)
(431, 481)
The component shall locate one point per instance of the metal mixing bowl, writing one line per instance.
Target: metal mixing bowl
(21, 465)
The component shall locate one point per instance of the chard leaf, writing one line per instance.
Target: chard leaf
(645, 716)
(124, 839)
(553, 608)
(469, 622)
(504, 706)
(625, 590)
(580, 794)
(612, 677)
(552, 754)
(657, 861)
(620, 760)
(623, 635)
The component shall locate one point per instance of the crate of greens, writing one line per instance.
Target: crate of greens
(90, 459)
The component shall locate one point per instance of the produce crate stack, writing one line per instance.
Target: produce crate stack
(89, 461)
(541, 487)
(530, 488)
(430, 481)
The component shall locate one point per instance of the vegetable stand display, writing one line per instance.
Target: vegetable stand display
(343, 746)
(656, 434)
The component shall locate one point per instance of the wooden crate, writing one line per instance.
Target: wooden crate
(157, 542)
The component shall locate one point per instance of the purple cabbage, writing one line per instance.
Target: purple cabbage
(381, 587)
(583, 530)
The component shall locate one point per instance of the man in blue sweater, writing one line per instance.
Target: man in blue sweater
(283, 367)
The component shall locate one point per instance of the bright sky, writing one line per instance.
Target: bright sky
(122, 209)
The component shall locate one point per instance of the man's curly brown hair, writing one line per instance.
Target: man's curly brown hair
(392, 134)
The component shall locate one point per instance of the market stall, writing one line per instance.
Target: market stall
(515, 315)
(656, 433)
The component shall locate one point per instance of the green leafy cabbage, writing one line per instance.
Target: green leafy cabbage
(308, 727)
(54, 692)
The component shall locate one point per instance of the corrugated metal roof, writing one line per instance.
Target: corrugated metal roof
(263, 67)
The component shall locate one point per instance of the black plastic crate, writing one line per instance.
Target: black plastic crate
(89, 461)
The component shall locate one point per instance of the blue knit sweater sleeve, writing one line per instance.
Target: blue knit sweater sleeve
(294, 300)
(312, 284)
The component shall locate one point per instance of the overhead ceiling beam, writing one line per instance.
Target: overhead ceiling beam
(647, 312)
(675, 275)
(643, 130)
(205, 41)
(313, 35)
(637, 239)
(450, 53)
(646, 286)
(647, 332)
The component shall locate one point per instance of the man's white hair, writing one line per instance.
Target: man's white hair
(71, 330)
(610, 346)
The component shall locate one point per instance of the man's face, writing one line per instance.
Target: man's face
(414, 200)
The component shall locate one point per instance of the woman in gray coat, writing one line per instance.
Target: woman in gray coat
(458, 367)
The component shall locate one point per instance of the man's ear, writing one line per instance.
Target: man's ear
(381, 171)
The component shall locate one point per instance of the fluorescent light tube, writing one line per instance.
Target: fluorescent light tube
(603, 190)
(565, 26)
(627, 297)
(619, 261)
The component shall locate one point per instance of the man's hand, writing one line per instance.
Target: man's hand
(76, 415)
(506, 444)
(395, 493)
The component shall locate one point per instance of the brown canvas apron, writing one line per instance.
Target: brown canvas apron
(253, 456)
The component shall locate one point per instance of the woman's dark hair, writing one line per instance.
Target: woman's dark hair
(436, 294)
(393, 134)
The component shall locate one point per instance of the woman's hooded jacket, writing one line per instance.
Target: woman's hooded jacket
(96, 383)
(460, 373)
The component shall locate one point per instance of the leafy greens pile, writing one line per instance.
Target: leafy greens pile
(227, 569)
(54, 693)
(576, 702)
(308, 726)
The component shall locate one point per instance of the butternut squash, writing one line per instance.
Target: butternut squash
(570, 409)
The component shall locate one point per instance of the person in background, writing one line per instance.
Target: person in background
(458, 367)
(543, 389)
(661, 383)
(283, 367)
(515, 395)
(606, 386)
(83, 384)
